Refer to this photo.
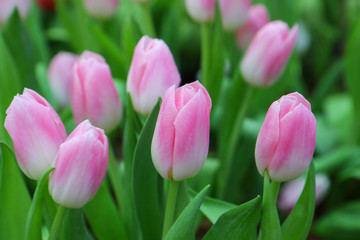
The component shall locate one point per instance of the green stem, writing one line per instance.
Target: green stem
(170, 206)
(147, 20)
(114, 176)
(56, 226)
(234, 138)
(270, 223)
(205, 55)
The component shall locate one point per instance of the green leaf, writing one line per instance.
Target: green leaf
(43, 82)
(340, 223)
(34, 219)
(238, 223)
(100, 210)
(213, 208)
(146, 185)
(184, 226)
(297, 224)
(14, 197)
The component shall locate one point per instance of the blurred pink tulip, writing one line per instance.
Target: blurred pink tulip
(286, 142)
(234, 13)
(181, 139)
(80, 166)
(201, 10)
(94, 96)
(152, 71)
(101, 8)
(291, 191)
(268, 53)
(36, 131)
(60, 77)
(257, 17)
(8, 6)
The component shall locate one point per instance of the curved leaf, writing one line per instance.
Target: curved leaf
(238, 223)
(297, 224)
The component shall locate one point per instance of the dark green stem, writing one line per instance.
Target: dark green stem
(205, 54)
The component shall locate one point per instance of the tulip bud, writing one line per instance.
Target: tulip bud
(268, 53)
(36, 131)
(286, 141)
(94, 96)
(257, 17)
(102, 9)
(233, 13)
(80, 166)
(201, 10)
(60, 77)
(291, 191)
(152, 71)
(181, 138)
(8, 6)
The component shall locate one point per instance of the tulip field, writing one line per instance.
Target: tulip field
(179, 119)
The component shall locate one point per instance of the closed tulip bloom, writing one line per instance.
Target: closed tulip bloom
(152, 71)
(36, 131)
(60, 75)
(286, 141)
(234, 13)
(257, 17)
(201, 10)
(8, 6)
(291, 191)
(47, 4)
(80, 166)
(101, 8)
(181, 139)
(94, 96)
(268, 53)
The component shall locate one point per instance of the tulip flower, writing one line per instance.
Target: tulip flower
(233, 13)
(181, 139)
(80, 166)
(291, 191)
(60, 77)
(286, 141)
(257, 17)
(102, 9)
(268, 53)
(94, 96)
(36, 131)
(152, 71)
(201, 10)
(8, 6)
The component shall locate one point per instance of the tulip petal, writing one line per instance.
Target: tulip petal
(296, 145)
(163, 140)
(268, 138)
(191, 137)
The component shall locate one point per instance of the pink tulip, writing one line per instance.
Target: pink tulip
(60, 77)
(8, 6)
(152, 71)
(181, 139)
(286, 141)
(101, 8)
(257, 17)
(94, 96)
(234, 13)
(291, 191)
(201, 10)
(36, 131)
(80, 166)
(268, 53)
